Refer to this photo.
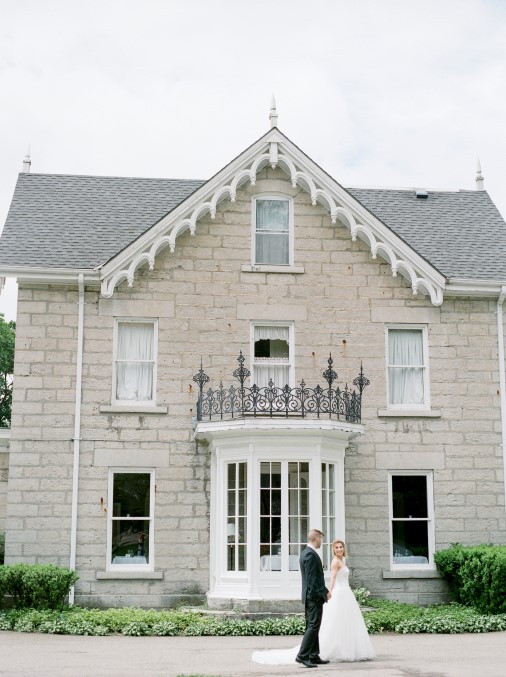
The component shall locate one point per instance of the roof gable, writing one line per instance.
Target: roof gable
(107, 227)
(276, 150)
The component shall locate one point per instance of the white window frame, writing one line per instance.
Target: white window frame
(253, 446)
(330, 508)
(426, 376)
(110, 508)
(291, 349)
(137, 320)
(429, 475)
(281, 198)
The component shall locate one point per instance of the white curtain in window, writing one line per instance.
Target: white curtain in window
(134, 362)
(272, 215)
(279, 373)
(406, 378)
(275, 333)
(272, 232)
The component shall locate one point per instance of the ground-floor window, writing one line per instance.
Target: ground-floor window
(328, 511)
(284, 514)
(237, 494)
(411, 519)
(130, 519)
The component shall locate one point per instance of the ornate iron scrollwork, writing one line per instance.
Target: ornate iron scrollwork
(272, 400)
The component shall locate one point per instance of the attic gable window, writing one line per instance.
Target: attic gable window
(272, 231)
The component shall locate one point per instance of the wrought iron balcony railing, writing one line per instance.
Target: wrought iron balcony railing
(302, 401)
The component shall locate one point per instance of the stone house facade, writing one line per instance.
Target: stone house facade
(134, 292)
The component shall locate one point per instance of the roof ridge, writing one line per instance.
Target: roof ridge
(110, 176)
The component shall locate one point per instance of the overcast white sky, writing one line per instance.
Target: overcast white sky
(378, 92)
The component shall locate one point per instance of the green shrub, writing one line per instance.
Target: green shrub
(36, 586)
(2, 549)
(476, 575)
(386, 616)
(361, 595)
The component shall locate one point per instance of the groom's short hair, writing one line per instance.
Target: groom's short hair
(313, 535)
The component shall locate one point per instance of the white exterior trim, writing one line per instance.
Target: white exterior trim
(502, 379)
(276, 150)
(77, 434)
(291, 348)
(110, 507)
(280, 197)
(135, 404)
(411, 408)
(429, 474)
(277, 444)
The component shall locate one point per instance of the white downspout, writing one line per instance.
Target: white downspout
(502, 384)
(77, 430)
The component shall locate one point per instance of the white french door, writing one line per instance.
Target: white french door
(283, 514)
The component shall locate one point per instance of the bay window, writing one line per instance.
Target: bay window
(237, 494)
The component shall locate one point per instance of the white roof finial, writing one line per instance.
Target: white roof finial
(479, 177)
(27, 162)
(273, 115)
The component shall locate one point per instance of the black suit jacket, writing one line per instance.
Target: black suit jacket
(313, 579)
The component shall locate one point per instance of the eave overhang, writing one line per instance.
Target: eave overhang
(276, 150)
(51, 275)
(476, 288)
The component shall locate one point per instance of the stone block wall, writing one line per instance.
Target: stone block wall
(205, 298)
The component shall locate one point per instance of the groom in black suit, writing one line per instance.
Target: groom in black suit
(314, 596)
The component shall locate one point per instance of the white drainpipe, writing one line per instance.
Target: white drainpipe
(77, 430)
(502, 384)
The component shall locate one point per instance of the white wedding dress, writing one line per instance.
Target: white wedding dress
(343, 635)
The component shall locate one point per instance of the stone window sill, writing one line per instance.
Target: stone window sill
(132, 409)
(415, 573)
(131, 575)
(263, 268)
(409, 413)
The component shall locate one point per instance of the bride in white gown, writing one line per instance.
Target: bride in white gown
(343, 635)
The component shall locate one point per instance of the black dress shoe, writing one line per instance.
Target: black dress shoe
(307, 664)
(319, 661)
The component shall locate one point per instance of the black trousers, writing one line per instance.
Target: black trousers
(310, 647)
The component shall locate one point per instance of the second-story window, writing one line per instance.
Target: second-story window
(272, 231)
(272, 354)
(135, 362)
(408, 383)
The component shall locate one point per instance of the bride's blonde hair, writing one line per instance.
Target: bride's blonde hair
(334, 543)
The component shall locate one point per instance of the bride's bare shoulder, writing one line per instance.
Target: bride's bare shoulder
(336, 564)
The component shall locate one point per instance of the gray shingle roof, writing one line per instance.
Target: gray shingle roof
(65, 221)
(83, 221)
(461, 233)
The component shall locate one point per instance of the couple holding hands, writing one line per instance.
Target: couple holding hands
(334, 632)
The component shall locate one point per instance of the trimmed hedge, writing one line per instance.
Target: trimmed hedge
(476, 575)
(36, 586)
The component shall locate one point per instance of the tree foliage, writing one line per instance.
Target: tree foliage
(7, 340)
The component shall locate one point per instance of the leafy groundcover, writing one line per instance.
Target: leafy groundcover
(380, 616)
